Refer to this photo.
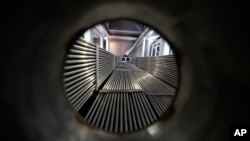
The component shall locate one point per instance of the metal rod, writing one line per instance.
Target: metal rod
(143, 107)
(85, 73)
(109, 111)
(85, 97)
(155, 106)
(129, 113)
(78, 71)
(82, 83)
(125, 111)
(142, 116)
(99, 105)
(92, 110)
(83, 48)
(97, 68)
(84, 41)
(102, 106)
(133, 113)
(151, 113)
(105, 116)
(113, 113)
(121, 112)
(136, 112)
(117, 113)
(79, 66)
(75, 96)
(67, 84)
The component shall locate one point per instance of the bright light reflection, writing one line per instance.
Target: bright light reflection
(153, 130)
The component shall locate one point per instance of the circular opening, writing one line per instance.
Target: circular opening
(120, 76)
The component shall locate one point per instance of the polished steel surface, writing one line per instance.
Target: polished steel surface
(165, 68)
(130, 100)
(87, 66)
(128, 77)
(79, 73)
(162, 67)
(160, 103)
(122, 112)
(122, 80)
(106, 62)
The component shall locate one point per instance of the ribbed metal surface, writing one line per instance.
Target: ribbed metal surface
(131, 99)
(160, 103)
(137, 61)
(79, 73)
(116, 61)
(154, 86)
(133, 59)
(144, 61)
(106, 62)
(128, 77)
(128, 67)
(122, 81)
(162, 67)
(165, 68)
(121, 112)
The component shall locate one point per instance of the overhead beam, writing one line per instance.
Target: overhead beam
(123, 38)
(115, 31)
(102, 30)
(137, 41)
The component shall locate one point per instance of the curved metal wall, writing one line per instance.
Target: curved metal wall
(86, 68)
(162, 67)
(79, 73)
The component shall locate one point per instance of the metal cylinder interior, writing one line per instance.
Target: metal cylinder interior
(36, 38)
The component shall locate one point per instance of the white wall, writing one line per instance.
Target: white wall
(144, 47)
(88, 36)
(97, 32)
(119, 47)
(166, 49)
